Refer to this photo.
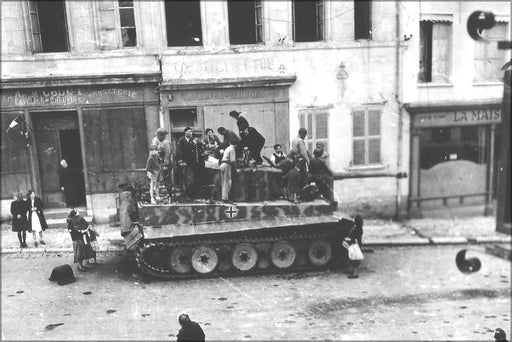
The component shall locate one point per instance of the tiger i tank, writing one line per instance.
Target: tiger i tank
(256, 233)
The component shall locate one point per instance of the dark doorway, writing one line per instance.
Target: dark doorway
(71, 151)
(57, 137)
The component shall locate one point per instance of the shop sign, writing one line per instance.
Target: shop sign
(67, 96)
(459, 118)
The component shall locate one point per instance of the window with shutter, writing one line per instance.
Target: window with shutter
(488, 59)
(245, 22)
(366, 136)
(108, 34)
(316, 121)
(127, 23)
(362, 19)
(435, 51)
(48, 26)
(308, 20)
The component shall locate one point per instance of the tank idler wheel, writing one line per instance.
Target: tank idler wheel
(263, 257)
(224, 256)
(282, 254)
(181, 259)
(320, 252)
(204, 259)
(244, 257)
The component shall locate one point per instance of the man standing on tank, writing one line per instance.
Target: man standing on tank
(185, 156)
(165, 156)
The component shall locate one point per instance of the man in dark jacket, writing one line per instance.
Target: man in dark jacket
(321, 174)
(190, 331)
(241, 122)
(254, 141)
(185, 157)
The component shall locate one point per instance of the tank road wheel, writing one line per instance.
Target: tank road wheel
(204, 259)
(224, 256)
(282, 254)
(244, 257)
(263, 258)
(320, 252)
(180, 259)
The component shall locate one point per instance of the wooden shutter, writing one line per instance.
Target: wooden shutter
(319, 19)
(108, 33)
(258, 18)
(37, 44)
(425, 66)
(358, 133)
(441, 51)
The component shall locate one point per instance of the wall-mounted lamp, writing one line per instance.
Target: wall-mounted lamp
(342, 74)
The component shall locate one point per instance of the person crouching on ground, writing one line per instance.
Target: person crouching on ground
(78, 229)
(36, 220)
(19, 210)
(153, 169)
(190, 330)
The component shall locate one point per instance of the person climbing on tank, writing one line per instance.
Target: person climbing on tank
(295, 181)
(185, 157)
(253, 141)
(322, 175)
(165, 157)
(190, 330)
(241, 121)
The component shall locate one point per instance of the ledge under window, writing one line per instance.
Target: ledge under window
(487, 83)
(374, 167)
(435, 85)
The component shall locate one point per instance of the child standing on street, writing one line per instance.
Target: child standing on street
(93, 235)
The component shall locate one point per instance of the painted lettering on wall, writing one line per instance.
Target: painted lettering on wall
(459, 118)
(62, 96)
(223, 94)
(224, 66)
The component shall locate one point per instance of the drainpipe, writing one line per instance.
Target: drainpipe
(398, 97)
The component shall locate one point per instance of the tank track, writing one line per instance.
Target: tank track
(300, 238)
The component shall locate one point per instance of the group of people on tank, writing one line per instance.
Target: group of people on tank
(300, 167)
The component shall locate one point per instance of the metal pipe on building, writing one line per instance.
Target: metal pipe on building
(398, 97)
(346, 175)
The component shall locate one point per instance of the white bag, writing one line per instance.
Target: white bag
(354, 252)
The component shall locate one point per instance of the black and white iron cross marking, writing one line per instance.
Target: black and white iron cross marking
(232, 212)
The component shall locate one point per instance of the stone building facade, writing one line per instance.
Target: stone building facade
(95, 79)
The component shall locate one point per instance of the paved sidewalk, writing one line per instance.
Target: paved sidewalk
(376, 233)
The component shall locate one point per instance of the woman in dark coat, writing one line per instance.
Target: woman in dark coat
(78, 229)
(36, 220)
(355, 235)
(19, 210)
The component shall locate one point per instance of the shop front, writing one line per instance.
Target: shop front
(453, 158)
(102, 131)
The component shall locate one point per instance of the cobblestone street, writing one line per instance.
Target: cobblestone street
(408, 293)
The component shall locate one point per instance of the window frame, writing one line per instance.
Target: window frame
(320, 33)
(29, 22)
(428, 76)
(367, 137)
(166, 30)
(120, 28)
(486, 57)
(311, 138)
(367, 21)
(258, 23)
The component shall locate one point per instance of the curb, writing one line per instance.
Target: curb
(55, 250)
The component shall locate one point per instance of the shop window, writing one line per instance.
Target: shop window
(316, 121)
(245, 22)
(443, 144)
(183, 20)
(488, 59)
(366, 137)
(362, 19)
(127, 23)
(435, 51)
(308, 20)
(48, 26)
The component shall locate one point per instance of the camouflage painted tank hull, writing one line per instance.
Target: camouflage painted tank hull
(185, 240)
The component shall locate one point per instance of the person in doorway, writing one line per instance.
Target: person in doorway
(36, 220)
(185, 157)
(254, 142)
(165, 157)
(190, 330)
(19, 210)
(228, 163)
(278, 155)
(211, 142)
(321, 174)
(241, 121)
(67, 184)
(153, 170)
